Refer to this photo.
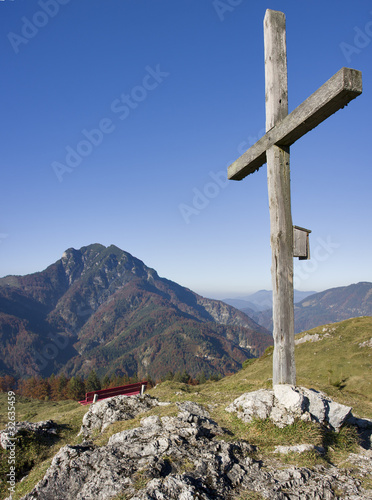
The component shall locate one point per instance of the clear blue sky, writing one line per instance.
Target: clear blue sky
(176, 88)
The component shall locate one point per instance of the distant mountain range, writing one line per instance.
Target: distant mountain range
(102, 308)
(330, 306)
(261, 300)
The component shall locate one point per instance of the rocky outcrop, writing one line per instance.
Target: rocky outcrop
(367, 343)
(179, 458)
(286, 403)
(314, 337)
(298, 448)
(104, 413)
(44, 428)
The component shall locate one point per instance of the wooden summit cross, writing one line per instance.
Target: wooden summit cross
(282, 130)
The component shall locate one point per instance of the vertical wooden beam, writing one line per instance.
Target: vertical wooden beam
(278, 178)
(276, 82)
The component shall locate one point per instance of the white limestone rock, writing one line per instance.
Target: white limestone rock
(289, 403)
(104, 413)
(178, 458)
(308, 338)
(257, 404)
(286, 403)
(290, 398)
(281, 417)
(298, 448)
(316, 404)
(337, 414)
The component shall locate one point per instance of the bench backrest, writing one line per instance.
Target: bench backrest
(127, 390)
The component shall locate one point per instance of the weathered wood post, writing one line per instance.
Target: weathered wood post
(278, 178)
(282, 130)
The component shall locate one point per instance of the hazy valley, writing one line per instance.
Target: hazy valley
(313, 309)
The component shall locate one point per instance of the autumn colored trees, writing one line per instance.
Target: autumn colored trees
(7, 383)
(53, 388)
(57, 388)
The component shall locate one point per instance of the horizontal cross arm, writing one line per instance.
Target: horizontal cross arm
(336, 93)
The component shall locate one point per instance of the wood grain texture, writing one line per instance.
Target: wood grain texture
(278, 180)
(281, 239)
(276, 90)
(301, 246)
(335, 94)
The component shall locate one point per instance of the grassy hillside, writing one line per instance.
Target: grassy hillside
(33, 457)
(335, 364)
(339, 363)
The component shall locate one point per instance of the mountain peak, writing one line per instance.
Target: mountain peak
(89, 248)
(97, 262)
(114, 314)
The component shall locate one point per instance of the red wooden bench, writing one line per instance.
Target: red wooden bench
(127, 390)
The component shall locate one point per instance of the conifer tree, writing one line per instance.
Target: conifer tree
(76, 388)
(106, 382)
(92, 383)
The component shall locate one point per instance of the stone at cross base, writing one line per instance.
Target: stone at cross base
(282, 130)
(285, 403)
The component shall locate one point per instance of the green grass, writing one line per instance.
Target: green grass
(340, 352)
(33, 456)
(34, 410)
(350, 383)
(335, 365)
(342, 369)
